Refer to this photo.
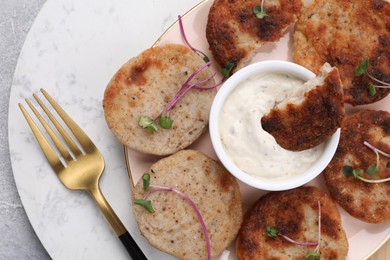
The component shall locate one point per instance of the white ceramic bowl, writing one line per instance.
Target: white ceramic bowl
(264, 67)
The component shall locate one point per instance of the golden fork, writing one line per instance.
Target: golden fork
(79, 169)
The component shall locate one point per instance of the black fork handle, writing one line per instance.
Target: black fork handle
(132, 247)
(117, 225)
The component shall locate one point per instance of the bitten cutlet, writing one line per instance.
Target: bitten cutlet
(310, 115)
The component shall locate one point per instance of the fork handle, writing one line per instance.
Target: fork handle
(132, 247)
(120, 230)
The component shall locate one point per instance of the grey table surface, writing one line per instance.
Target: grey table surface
(17, 238)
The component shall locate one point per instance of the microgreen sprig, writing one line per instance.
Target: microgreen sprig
(205, 57)
(144, 202)
(363, 69)
(312, 255)
(148, 123)
(147, 204)
(350, 171)
(146, 181)
(372, 169)
(273, 232)
(260, 11)
(375, 168)
(316, 253)
(226, 70)
(163, 118)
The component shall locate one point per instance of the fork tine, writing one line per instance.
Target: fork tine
(68, 140)
(64, 152)
(49, 152)
(83, 139)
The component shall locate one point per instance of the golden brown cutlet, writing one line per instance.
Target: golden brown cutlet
(174, 226)
(234, 33)
(366, 201)
(143, 87)
(294, 213)
(305, 124)
(344, 33)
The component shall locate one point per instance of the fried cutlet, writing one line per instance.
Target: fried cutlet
(294, 213)
(368, 202)
(174, 226)
(308, 116)
(344, 33)
(234, 33)
(144, 86)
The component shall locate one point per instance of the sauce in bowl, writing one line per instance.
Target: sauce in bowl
(243, 147)
(252, 149)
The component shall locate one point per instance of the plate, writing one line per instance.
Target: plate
(194, 22)
(72, 50)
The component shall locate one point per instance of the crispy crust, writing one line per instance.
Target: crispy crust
(174, 227)
(343, 33)
(367, 202)
(143, 87)
(295, 214)
(305, 125)
(234, 33)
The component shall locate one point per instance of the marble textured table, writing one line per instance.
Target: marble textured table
(18, 239)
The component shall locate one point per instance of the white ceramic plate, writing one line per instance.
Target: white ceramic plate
(72, 50)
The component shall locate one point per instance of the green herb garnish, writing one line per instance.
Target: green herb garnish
(363, 69)
(372, 170)
(256, 9)
(226, 71)
(371, 89)
(259, 10)
(147, 204)
(147, 123)
(313, 255)
(350, 171)
(357, 172)
(146, 180)
(165, 122)
(271, 231)
(347, 170)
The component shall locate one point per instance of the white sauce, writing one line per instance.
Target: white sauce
(251, 148)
